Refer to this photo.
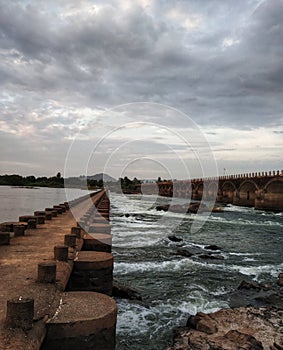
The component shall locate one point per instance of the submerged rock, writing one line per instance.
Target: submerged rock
(184, 252)
(125, 292)
(280, 280)
(249, 285)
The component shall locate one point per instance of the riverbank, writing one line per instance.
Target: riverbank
(257, 324)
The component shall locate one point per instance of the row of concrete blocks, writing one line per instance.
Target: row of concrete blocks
(96, 218)
(91, 280)
(15, 229)
(20, 312)
(92, 272)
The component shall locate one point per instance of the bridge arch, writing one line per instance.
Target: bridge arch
(228, 190)
(271, 196)
(212, 190)
(246, 194)
(274, 185)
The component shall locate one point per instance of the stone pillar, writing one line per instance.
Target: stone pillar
(70, 240)
(20, 313)
(48, 216)
(19, 230)
(46, 272)
(4, 238)
(76, 231)
(61, 252)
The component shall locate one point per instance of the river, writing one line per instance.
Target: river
(172, 286)
(16, 201)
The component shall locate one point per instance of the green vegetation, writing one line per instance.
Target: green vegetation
(18, 180)
(125, 183)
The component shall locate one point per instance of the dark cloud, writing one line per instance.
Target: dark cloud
(219, 62)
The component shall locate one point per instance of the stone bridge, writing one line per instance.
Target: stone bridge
(261, 190)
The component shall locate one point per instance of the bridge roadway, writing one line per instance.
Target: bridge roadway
(19, 273)
(261, 190)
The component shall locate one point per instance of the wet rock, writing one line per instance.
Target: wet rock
(232, 329)
(242, 340)
(184, 252)
(203, 323)
(178, 208)
(280, 280)
(162, 207)
(175, 238)
(125, 292)
(211, 257)
(249, 285)
(193, 208)
(212, 247)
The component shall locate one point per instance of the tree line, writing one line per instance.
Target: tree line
(31, 181)
(77, 182)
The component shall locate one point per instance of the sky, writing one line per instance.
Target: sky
(146, 88)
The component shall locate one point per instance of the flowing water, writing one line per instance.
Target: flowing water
(174, 286)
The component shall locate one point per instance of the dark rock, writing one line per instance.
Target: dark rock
(127, 215)
(202, 323)
(125, 292)
(162, 207)
(277, 346)
(243, 341)
(193, 208)
(184, 252)
(249, 285)
(280, 280)
(175, 239)
(210, 256)
(212, 247)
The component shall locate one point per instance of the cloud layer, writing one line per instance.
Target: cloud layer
(64, 63)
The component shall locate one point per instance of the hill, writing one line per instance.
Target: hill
(101, 176)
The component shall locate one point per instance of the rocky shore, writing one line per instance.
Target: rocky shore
(246, 328)
(258, 324)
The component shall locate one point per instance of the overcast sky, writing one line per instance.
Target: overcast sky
(183, 71)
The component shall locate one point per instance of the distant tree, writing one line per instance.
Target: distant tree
(58, 175)
(159, 179)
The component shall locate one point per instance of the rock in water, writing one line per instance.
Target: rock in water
(125, 292)
(184, 252)
(175, 239)
(249, 285)
(280, 280)
(164, 207)
(212, 247)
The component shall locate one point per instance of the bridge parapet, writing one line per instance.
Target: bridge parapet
(262, 190)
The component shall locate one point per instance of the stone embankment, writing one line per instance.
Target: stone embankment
(56, 279)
